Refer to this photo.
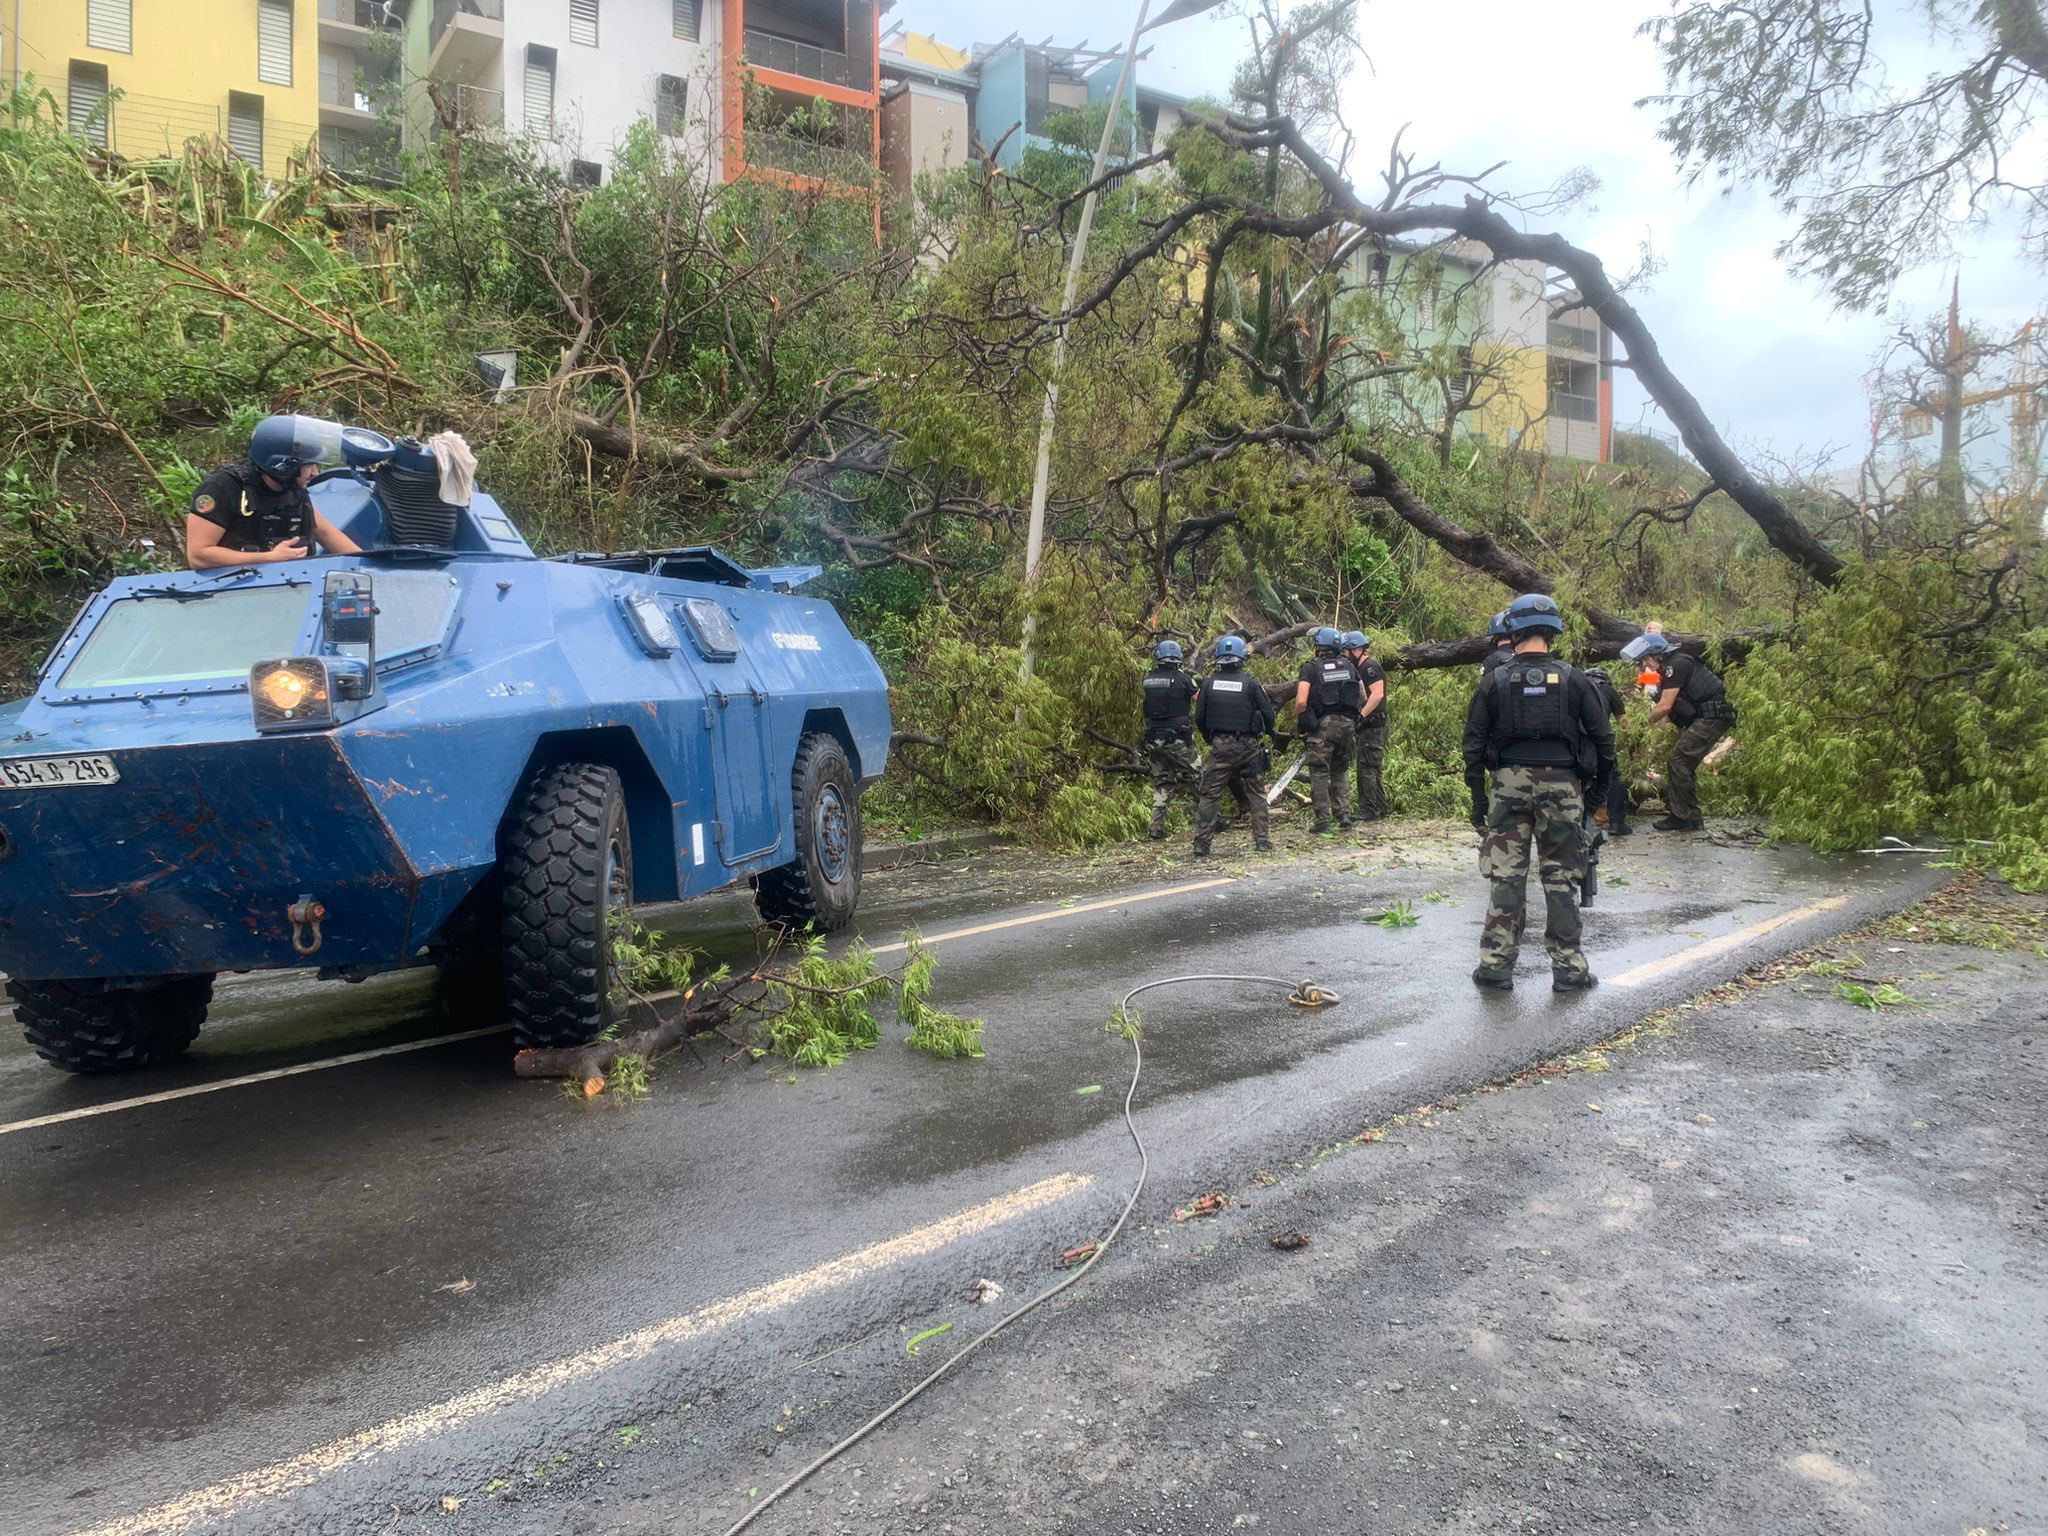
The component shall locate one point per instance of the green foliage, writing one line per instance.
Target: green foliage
(825, 1008)
(1871, 726)
(1883, 995)
(1399, 915)
(944, 1035)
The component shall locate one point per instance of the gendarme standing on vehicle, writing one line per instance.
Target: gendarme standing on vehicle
(1537, 742)
(1169, 730)
(1232, 712)
(1327, 699)
(1693, 698)
(257, 511)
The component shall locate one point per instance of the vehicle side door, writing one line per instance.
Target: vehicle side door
(750, 793)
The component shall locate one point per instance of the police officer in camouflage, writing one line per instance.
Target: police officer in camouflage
(1169, 730)
(1537, 742)
(1372, 725)
(1692, 697)
(1327, 699)
(1232, 712)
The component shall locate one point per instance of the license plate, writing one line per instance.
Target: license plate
(53, 772)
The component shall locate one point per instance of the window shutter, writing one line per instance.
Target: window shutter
(245, 126)
(686, 18)
(583, 22)
(540, 91)
(88, 90)
(671, 94)
(107, 25)
(274, 42)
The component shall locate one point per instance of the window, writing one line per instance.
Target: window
(686, 18)
(274, 41)
(1574, 390)
(85, 106)
(540, 90)
(142, 640)
(671, 93)
(711, 629)
(1425, 309)
(585, 173)
(109, 25)
(245, 126)
(583, 22)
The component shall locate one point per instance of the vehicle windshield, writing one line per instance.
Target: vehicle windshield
(144, 640)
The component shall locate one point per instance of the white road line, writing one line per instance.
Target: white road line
(1060, 912)
(286, 1477)
(195, 1089)
(1651, 970)
(353, 1057)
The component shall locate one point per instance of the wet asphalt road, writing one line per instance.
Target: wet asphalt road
(196, 1290)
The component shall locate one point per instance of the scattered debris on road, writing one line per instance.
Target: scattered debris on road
(1207, 1205)
(986, 1292)
(1288, 1241)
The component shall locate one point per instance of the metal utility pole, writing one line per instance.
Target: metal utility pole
(1034, 541)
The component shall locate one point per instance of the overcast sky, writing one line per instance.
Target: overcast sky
(1551, 90)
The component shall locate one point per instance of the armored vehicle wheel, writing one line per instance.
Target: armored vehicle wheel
(87, 1026)
(568, 870)
(821, 885)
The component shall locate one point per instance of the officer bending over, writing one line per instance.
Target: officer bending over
(1232, 712)
(1537, 741)
(1169, 730)
(257, 511)
(1372, 725)
(1695, 700)
(1327, 699)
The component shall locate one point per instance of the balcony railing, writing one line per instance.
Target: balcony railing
(445, 12)
(476, 107)
(1574, 338)
(1574, 408)
(807, 157)
(156, 127)
(359, 13)
(807, 60)
(361, 156)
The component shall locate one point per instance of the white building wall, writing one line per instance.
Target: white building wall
(601, 92)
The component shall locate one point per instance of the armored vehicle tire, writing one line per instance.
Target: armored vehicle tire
(87, 1026)
(568, 867)
(821, 885)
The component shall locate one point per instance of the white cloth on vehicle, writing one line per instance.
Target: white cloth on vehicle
(458, 467)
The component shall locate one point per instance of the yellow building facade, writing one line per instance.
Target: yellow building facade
(143, 77)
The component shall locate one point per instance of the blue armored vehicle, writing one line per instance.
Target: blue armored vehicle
(441, 750)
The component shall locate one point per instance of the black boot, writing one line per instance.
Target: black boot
(1493, 981)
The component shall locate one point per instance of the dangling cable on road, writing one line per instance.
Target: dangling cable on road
(1303, 994)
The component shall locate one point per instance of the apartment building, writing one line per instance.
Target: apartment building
(939, 103)
(142, 78)
(570, 76)
(1538, 367)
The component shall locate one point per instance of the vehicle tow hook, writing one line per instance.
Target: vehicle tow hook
(304, 915)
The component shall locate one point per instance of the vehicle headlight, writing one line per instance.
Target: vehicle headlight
(291, 694)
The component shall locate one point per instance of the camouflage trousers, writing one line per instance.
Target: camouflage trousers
(1171, 761)
(1372, 756)
(1545, 806)
(1682, 772)
(1328, 750)
(1239, 763)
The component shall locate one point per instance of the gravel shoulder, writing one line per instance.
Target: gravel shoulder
(1775, 1262)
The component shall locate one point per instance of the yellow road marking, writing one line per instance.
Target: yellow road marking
(286, 1477)
(195, 1089)
(1655, 968)
(1059, 912)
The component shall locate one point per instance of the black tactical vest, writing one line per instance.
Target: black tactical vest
(1534, 724)
(1231, 711)
(1336, 687)
(1168, 693)
(1701, 689)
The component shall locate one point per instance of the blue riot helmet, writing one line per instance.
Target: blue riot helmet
(1327, 639)
(1645, 645)
(1356, 640)
(1534, 613)
(281, 445)
(1229, 651)
(1497, 626)
(1167, 653)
